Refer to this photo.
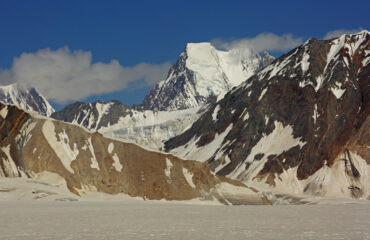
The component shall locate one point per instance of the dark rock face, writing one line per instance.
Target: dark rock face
(11, 140)
(309, 103)
(93, 115)
(161, 98)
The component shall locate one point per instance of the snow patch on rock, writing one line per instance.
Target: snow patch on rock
(215, 112)
(61, 148)
(110, 148)
(315, 114)
(262, 94)
(117, 164)
(4, 111)
(330, 181)
(167, 171)
(337, 92)
(94, 162)
(192, 151)
(305, 63)
(279, 140)
(188, 176)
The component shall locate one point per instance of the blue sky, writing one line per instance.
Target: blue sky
(155, 32)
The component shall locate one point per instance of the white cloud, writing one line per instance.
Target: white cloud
(339, 32)
(273, 42)
(63, 75)
(262, 42)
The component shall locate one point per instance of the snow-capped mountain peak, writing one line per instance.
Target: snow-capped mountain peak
(204, 74)
(26, 98)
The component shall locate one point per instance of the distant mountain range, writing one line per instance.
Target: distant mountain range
(298, 124)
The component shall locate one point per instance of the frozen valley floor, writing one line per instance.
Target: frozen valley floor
(156, 220)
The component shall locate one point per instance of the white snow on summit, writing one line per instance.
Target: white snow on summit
(27, 99)
(202, 72)
(218, 71)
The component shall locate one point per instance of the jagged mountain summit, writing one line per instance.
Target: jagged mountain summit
(301, 125)
(89, 162)
(202, 75)
(26, 98)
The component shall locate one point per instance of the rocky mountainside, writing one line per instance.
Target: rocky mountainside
(28, 99)
(301, 125)
(202, 75)
(89, 162)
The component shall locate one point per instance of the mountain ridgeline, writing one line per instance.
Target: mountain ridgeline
(298, 124)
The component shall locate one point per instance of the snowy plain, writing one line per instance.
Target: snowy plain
(43, 208)
(156, 220)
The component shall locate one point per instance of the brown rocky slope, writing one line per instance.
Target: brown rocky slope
(90, 162)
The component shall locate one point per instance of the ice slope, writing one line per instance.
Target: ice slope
(151, 128)
(113, 119)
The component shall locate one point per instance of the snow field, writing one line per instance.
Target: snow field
(149, 220)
